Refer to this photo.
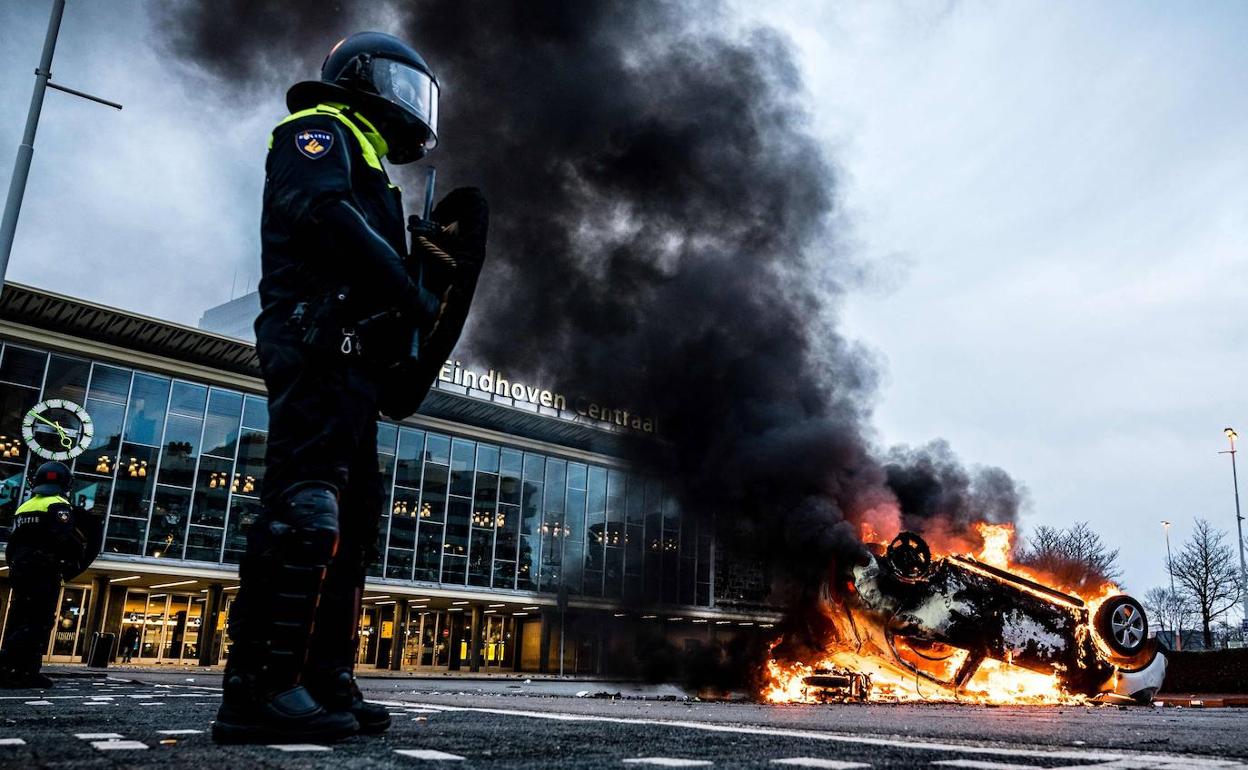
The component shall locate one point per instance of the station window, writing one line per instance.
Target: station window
(178, 468)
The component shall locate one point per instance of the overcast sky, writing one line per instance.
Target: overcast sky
(1052, 199)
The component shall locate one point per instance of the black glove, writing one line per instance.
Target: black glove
(451, 247)
(464, 217)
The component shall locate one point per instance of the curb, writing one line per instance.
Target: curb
(1203, 701)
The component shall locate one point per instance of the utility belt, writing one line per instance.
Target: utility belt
(327, 325)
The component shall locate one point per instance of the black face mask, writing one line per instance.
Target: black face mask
(409, 140)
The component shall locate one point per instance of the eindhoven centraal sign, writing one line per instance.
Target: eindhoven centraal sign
(491, 381)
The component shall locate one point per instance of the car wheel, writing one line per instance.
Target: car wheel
(1121, 622)
(909, 557)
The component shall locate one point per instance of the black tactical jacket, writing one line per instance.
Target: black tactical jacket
(318, 155)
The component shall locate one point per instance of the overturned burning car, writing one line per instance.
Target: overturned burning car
(907, 618)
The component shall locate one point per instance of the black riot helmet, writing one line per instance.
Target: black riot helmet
(386, 80)
(53, 478)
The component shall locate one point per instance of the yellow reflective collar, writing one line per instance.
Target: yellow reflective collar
(371, 148)
(40, 504)
(369, 130)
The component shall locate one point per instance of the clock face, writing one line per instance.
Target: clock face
(57, 429)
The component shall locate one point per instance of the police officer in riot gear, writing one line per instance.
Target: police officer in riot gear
(52, 540)
(349, 324)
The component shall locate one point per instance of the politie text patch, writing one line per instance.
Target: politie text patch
(314, 144)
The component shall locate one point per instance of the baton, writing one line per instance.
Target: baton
(431, 174)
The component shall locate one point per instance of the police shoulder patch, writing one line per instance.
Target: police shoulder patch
(314, 143)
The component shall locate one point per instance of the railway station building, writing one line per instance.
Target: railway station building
(512, 526)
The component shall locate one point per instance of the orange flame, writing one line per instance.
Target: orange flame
(998, 544)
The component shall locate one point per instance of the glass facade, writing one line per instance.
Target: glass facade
(177, 466)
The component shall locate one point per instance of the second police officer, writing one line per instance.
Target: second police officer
(52, 540)
(350, 324)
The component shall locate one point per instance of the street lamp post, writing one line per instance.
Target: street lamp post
(1231, 435)
(1174, 597)
(26, 150)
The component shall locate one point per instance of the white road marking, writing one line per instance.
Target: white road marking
(98, 703)
(12, 742)
(38, 703)
(180, 732)
(143, 696)
(118, 745)
(148, 695)
(983, 765)
(97, 736)
(436, 756)
(298, 747)
(1172, 763)
(49, 697)
(153, 703)
(667, 761)
(1138, 758)
(829, 764)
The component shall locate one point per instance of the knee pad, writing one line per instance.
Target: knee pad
(307, 524)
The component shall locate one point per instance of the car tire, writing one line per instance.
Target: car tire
(1122, 624)
(909, 558)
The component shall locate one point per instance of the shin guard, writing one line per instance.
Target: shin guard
(282, 575)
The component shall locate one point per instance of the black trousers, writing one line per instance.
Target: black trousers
(322, 429)
(35, 577)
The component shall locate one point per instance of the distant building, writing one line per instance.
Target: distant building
(1193, 639)
(233, 318)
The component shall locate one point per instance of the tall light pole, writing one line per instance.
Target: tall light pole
(1174, 597)
(26, 150)
(1231, 435)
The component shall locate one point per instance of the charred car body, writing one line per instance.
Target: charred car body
(942, 618)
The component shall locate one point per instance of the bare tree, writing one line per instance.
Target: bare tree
(1208, 572)
(1076, 557)
(1170, 609)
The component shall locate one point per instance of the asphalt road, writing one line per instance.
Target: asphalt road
(158, 719)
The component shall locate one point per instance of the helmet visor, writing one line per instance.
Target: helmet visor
(412, 91)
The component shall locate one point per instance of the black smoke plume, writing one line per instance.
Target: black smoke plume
(664, 239)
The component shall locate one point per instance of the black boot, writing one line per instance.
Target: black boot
(17, 679)
(250, 714)
(339, 693)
